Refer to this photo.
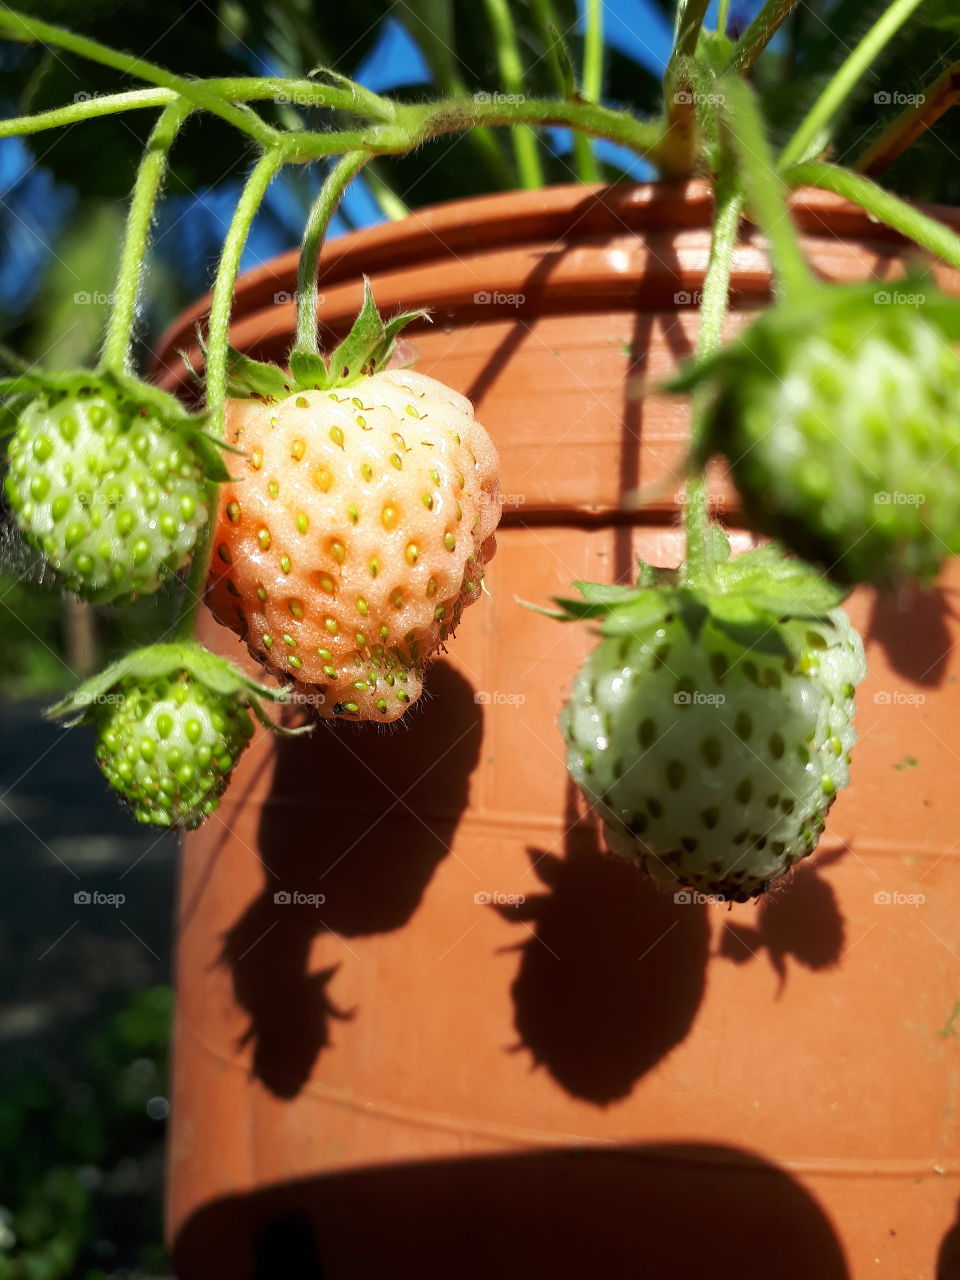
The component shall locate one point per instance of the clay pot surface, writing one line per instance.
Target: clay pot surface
(490, 1047)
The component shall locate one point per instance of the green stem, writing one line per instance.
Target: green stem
(679, 147)
(321, 212)
(510, 66)
(723, 16)
(218, 340)
(306, 93)
(810, 137)
(765, 189)
(116, 350)
(759, 33)
(933, 100)
(713, 310)
(880, 204)
(431, 24)
(688, 27)
(588, 170)
(18, 26)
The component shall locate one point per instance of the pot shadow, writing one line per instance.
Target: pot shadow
(611, 973)
(948, 1259)
(799, 917)
(363, 819)
(912, 628)
(614, 1212)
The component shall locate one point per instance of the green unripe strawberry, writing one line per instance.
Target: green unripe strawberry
(711, 726)
(168, 747)
(838, 415)
(110, 493)
(172, 721)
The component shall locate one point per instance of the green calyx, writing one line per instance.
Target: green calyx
(161, 662)
(366, 350)
(753, 598)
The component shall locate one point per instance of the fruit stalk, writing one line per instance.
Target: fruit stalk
(19, 26)
(318, 221)
(218, 333)
(880, 204)
(713, 310)
(232, 89)
(812, 133)
(116, 351)
(764, 187)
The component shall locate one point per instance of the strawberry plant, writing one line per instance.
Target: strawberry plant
(338, 513)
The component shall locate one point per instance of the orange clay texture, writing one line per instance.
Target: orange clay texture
(356, 530)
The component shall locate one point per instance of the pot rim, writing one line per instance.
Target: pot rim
(484, 223)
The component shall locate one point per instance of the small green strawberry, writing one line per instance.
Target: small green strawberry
(106, 480)
(172, 720)
(711, 726)
(838, 414)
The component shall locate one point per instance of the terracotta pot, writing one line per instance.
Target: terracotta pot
(491, 1050)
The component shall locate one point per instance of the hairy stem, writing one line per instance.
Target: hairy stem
(760, 32)
(901, 133)
(304, 93)
(321, 212)
(678, 150)
(153, 166)
(811, 136)
(766, 191)
(218, 338)
(713, 310)
(19, 26)
(882, 205)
